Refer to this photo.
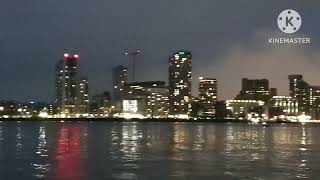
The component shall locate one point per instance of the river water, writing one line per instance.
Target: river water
(164, 150)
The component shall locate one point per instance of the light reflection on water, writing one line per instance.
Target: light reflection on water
(99, 150)
(41, 167)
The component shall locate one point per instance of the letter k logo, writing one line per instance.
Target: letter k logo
(289, 21)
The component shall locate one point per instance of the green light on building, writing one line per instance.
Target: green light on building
(182, 53)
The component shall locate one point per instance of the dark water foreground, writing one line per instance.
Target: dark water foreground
(158, 150)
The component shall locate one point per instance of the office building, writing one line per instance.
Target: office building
(100, 104)
(180, 84)
(299, 89)
(255, 89)
(244, 108)
(119, 78)
(283, 105)
(84, 96)
(149, 99)
(208, 95)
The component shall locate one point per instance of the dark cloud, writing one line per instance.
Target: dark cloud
(258, 59)
(35, 33)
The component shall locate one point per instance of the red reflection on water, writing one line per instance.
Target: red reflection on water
(68, 163)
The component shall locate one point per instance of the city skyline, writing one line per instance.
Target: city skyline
(31, 46)
(194, 90)
(158, 99)
(121, 89)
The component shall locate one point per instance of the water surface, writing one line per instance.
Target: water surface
(128, 150)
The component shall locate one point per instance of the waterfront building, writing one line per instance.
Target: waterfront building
(71, 91)
(307, 96)
(283, 105)
(299, 89)
(208, 95)
(119, 78)
(15, 109)
(149, 99)
(243, 108)
(180, 84)
(100, 104)
(84, 96)
(255, 89)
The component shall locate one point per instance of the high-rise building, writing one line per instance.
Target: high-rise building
(180, 83)
(71, 91)
(307, 96)
(299, 89)
(208, 95)
(84, 96)
(255, 89)
(119, 78)
(296, 84)
(314, 101)
(255, 84)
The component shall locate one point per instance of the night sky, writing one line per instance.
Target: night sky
(228, 39)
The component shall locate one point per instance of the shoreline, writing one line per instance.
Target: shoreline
(220, 120)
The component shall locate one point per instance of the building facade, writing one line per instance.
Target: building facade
(283, 105)
(255, 89)
(71, 91)
(208, 95)
(119, 78)
(299, 89)
(100, 104)
(84, 96)
(243, 108)
(180, 83)
(151, 98)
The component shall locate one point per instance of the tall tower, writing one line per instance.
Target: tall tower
(133, 59)
(300, 90)
(119, 78)
(180, 83)
(67, 85)
(83, 95)
(295, 84)
(208, 95)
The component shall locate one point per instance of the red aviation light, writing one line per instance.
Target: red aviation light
(71, 57)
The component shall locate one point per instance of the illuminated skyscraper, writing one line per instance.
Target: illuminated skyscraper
(84, 96)
(208, 95)
(180, 83)
(299, 89)
(71, 92)
(296, 83)
(119, 78)
(308, 96)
